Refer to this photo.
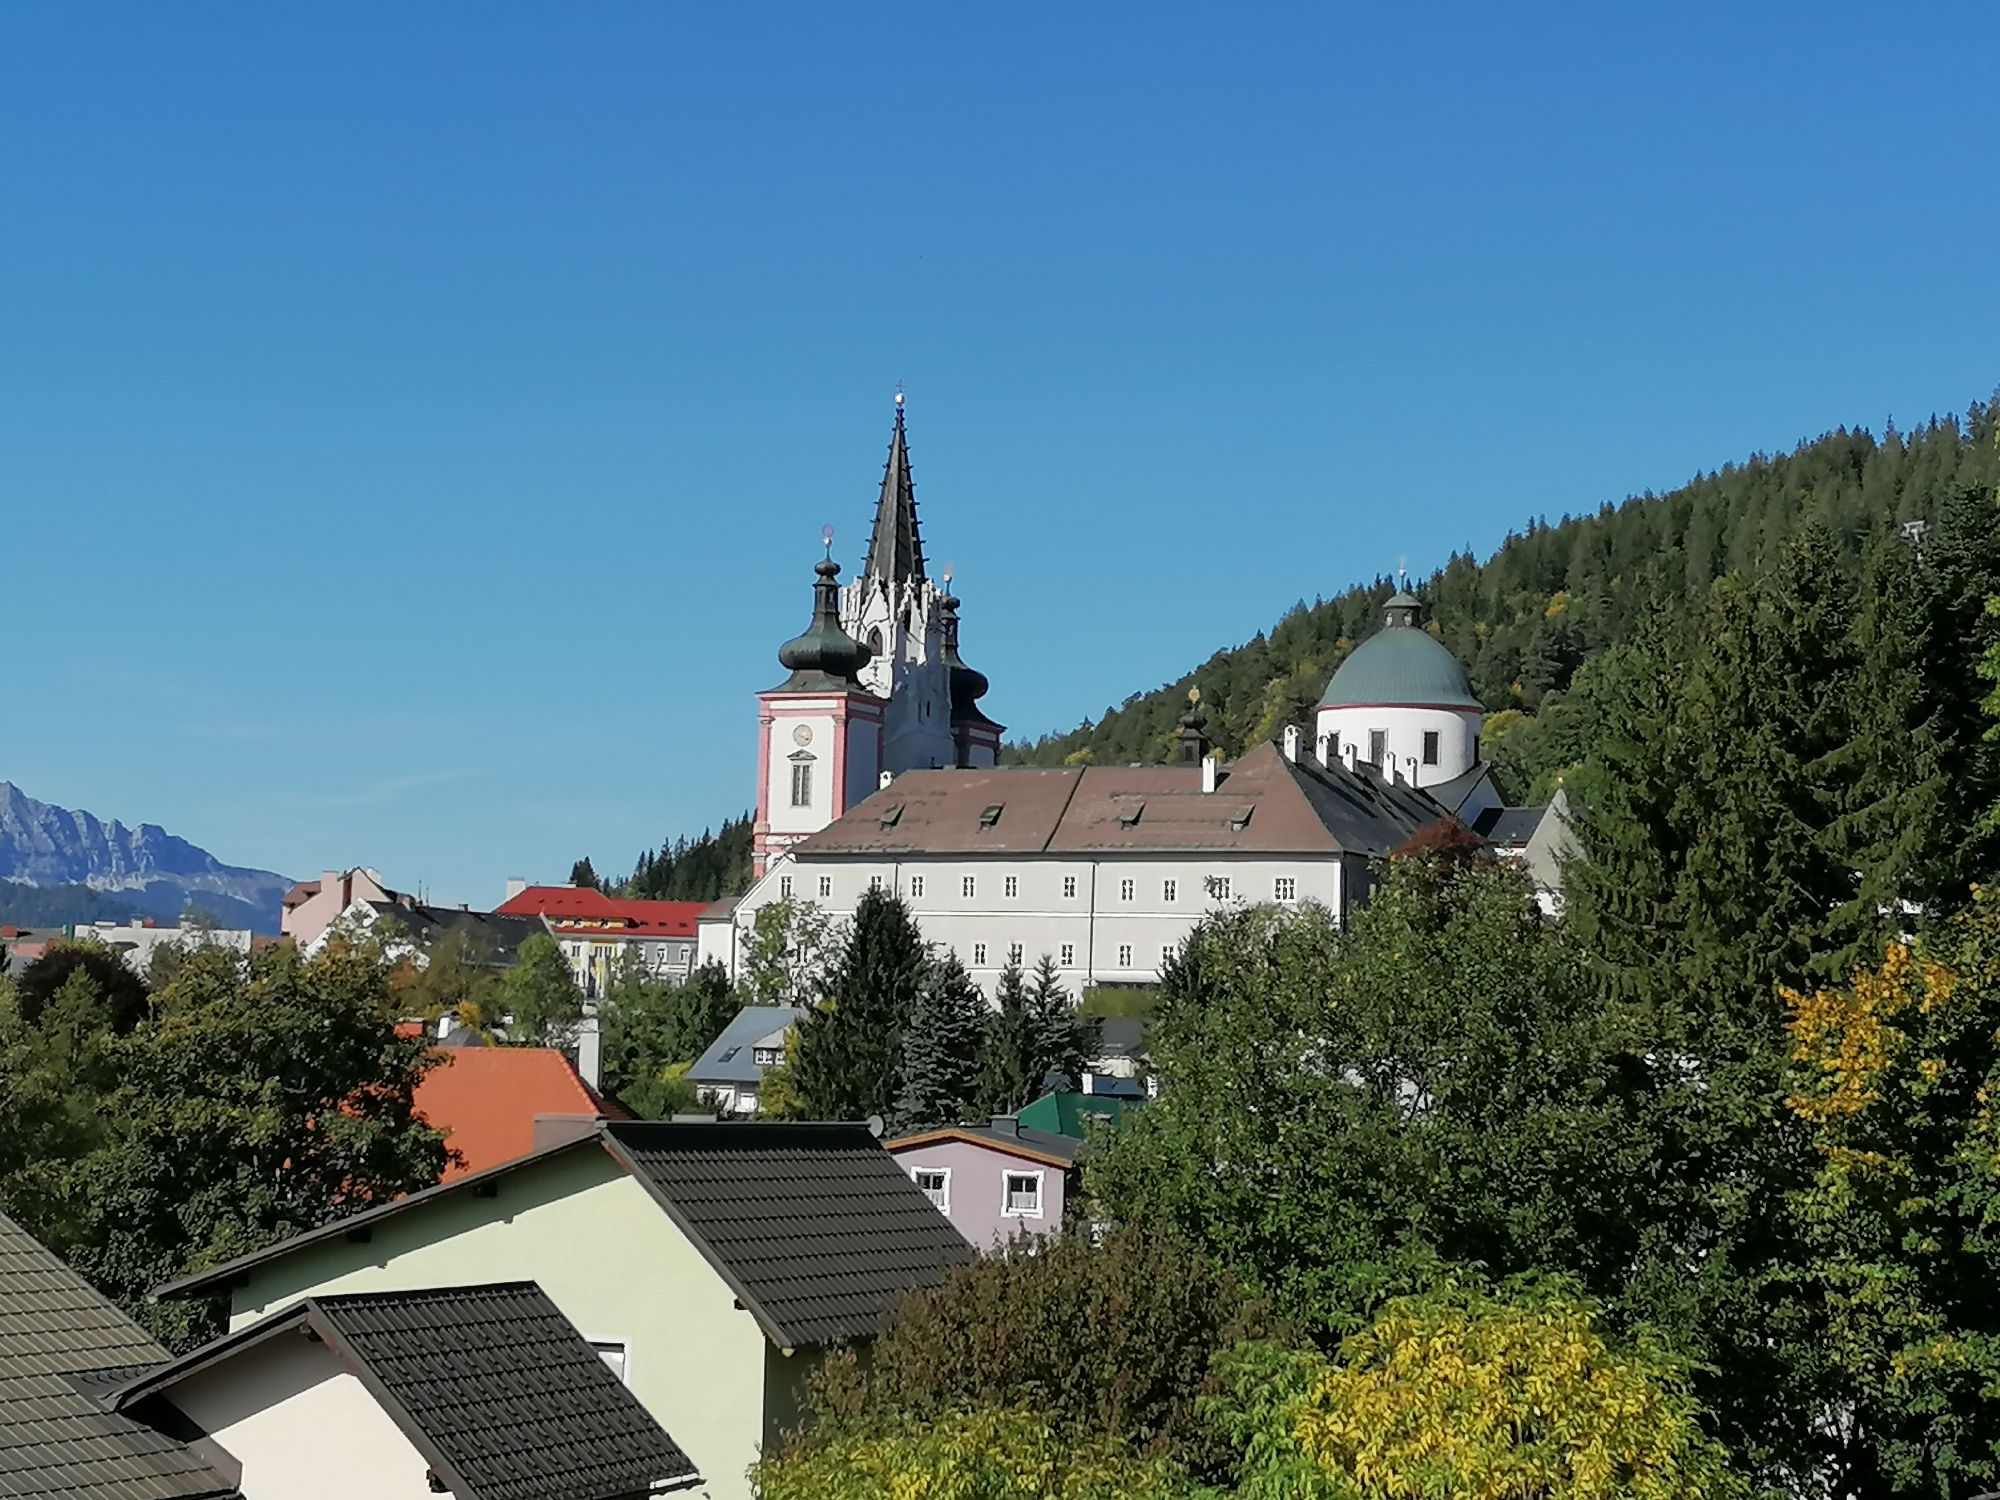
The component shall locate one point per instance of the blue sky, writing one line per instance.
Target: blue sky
(416, 422)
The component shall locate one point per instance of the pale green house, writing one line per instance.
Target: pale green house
(710, 1263)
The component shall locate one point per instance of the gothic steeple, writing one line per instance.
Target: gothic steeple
(895, 549)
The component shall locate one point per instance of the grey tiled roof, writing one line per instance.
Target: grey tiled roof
(491, 1384)
(55, 1440)
(815, 1227)
(1508, 826)
(494, 936)
(732, 1057)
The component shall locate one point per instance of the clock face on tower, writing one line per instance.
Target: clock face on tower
(802, 735)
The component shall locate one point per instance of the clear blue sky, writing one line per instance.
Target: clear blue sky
(416, 421)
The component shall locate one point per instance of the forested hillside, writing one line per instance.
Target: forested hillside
(1554, 596)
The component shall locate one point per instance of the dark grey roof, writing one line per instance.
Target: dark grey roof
(1121, 1036)
(895, 549)
(495, 937)
(57, 1338)
(1451, 795)
(1364, 811)
(491, 1384)
(814, 1227)
(1511, 826)
(732, 1057)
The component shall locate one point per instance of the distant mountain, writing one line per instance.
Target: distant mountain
(150, 870)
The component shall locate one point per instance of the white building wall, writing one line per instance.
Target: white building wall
(302, 1426)
(1457, 731)
(906, 628)
(812, 719)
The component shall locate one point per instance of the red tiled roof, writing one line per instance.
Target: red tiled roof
(485, 1100)
(300, 892)
(578, 909)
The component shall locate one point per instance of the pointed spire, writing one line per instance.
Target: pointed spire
(896, 549)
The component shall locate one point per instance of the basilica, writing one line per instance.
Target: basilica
(878, 770)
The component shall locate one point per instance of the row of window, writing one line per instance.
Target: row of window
(1020, 1192)
(1065, 956)
(1218, 887)
(1378, 746)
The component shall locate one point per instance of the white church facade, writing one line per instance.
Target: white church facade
(878, 770)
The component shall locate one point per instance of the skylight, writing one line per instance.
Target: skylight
(990, 814)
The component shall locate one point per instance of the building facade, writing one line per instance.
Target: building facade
(597, 933)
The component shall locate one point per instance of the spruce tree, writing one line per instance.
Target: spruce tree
(1061, 1040)
(1009, 1079)
(850, 1044)
(942, 1050)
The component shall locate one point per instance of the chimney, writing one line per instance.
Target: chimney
(1291, 740)
(589, 1050)
(515, 886)
(1006, 1125)
(1324, 750)
(884, 779)
(1350, 753)
(1209, 763)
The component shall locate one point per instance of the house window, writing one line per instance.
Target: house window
(1220, 887)
(1011, 886)
(1021, 1195)
(1013, 953)
(767, 1057)
(612, 1352)
(874, 882)
(978, 953)
(1285, 888)
(1069, 887)
(1126, 889)
(935, 1184)
(1166, 954)
(1378, 746)
(968, 886)
(784, 887)
(1069, 955)
(916, 885)
(1124, 955)
(1430, 747)
(825, 886)
(802, 783)
(1170, 890)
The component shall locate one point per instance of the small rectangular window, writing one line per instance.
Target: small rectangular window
(1069, 955)
(1069, 887)
(1013, 953)
(1220, 887)
(968, 886)
(1170, 890)
(825, 886)
(1166, 953)
(784, 887)
(1011, 886)
(978, 954)
(802, 784)
(1022, 1195)
(612, 1352)
(1124, 955)
(1378, 746)
(1430, 747)
(1285, 888)
(874, 882)
(935, 1184)
(1126, 889)
(916, 885)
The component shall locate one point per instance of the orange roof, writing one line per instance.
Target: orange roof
(485, 1100)
(579, 909)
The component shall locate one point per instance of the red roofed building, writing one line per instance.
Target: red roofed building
(495, 1104)
(596, 930)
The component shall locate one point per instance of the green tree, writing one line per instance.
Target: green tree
(458, 977)
(1063, 1041)
(1007, 1076)
(539, 997)
(122, 993)
(942, 1046)
(850, 1044)
(582, 875)
(652, 1032)
(785, 954)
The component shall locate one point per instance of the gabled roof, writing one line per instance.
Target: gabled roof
(1023, 1142)
(813, 1226)
(1066, 1112)
(1509, 827)
(498, 937)
(491, 1384)
(56, 1333)
(579, 909)
(732, 1056)
(486, 1101)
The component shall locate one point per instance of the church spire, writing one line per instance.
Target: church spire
(896, 550)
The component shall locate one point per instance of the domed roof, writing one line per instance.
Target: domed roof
(1402, 665)
(825, 658)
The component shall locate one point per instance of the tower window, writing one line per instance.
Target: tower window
(1430, 747)
(802, 784)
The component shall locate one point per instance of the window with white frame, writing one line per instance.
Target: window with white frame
(1124, 955)
(1011, 886)
(874, 882)
(1013, 953)
(1170, 891)
(802, 783)
(1021, 1195)
(784, 887)
(1220, 887)
(767, 1057)
(1069, 887)
(1166, 954)
(1285, 888)
(825, 886)
(612, 1352)
(1069, 955)
(968, 886)
(916, 885)
(978, 953)
(935, 1184)
(1430, 747)
(1127, 889)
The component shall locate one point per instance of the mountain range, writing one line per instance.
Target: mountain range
(75, 860)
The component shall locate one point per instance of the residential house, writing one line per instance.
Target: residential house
(310, 907)
(480, 1392)
(495, 1104)
(138, 939)
(997, 1181)
(730, 1073)
(409, 930)
(1064, 1111)
(717, 1261)
(61, 1347)
(598, 932)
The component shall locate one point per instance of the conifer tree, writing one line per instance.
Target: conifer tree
(1009, 1079)
(942, 1050)
(1061, 1039)
(850, 1044)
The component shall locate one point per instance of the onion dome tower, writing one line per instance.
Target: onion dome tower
(977, 737)
(1402, 702)
(819, 732)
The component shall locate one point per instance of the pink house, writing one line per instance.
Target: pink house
(311, 906)
(993, 1181)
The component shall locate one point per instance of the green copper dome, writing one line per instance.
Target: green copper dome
(1401, 664)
